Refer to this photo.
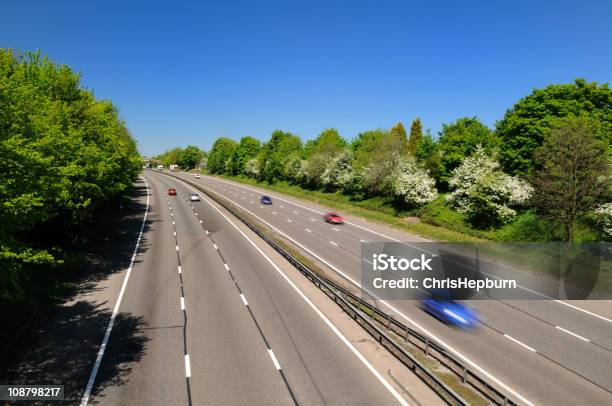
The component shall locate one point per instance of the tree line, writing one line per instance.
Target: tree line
(63, 155)
(550, 156)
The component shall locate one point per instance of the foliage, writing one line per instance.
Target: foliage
(251, 168)
(274, 152)
(459, 140)
(220, 153)
(413, 184)
(247, 149)
(339, 171)
(523, 127)
(484, 193)
(416, 136)
(321, 151)
(170, 157)
(190, 157)
(64, 155)
(574, 172)
(398, 137)
(604, 214)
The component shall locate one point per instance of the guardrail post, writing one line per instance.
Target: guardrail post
(426, 345)
(388, 321)
(464, 378)
(406, 334)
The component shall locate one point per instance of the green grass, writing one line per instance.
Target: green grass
(376, 209)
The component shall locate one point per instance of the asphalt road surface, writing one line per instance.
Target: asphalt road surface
(541, 352)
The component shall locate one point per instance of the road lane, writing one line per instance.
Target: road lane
(503, 350)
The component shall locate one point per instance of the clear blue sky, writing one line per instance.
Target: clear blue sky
(188, 73)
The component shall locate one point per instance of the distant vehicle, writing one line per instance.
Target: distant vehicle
(174, 168)
(197, 176)
(451, 312)
(160, 167)
(265, 200)
(172, 192)
(194, 197)
(333, 218)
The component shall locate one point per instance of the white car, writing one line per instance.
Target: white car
(194, 197)
(197, 176)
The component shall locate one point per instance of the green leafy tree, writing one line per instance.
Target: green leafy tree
(247, 149)
(219, 155)
(324, 148)
(428, 156)
(523, 127)
(398, 138)
(64, 155)
(367, 145)
(170, 157)
(274, 153)
(416, 136)
(190, 157)
(459, 140)
(574, 172)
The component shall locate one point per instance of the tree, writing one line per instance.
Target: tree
(247, 149)
(170, 157)
(366, 145)
(320, 152)
(484, 193)
(220, 153)
(397, 136)
(459, 140)
(190, 157)
(523, 127)
(339, 171)
(412, 184)
(416, 136)
(574, 171)
(274, 153)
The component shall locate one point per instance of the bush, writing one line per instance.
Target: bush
(413, 185)
(484, 193)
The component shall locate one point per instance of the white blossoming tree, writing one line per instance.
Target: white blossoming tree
(339, 171)
(292, 169)
(412, 183)
(486, 194)
(604, 214)
(251, 168)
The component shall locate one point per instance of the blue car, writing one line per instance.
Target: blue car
(265, 200)
(451, 312)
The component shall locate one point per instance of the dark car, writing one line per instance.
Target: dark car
(265, 200)
(333, 218)
(451, 312)
(172, 192)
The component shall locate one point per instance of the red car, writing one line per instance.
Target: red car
(172, 192)
(333, 218)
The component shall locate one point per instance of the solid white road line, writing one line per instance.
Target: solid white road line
(126, 278)
(274, 360)
(182, 303)
(397, 311)
(519, 343)
(244, 300)
(342, 338)
(187, 366)
(573, 334)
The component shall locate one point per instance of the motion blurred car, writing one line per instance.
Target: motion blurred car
(197, 176)
(172, 192)
(265, 200)
(194, 197)
(451, 312)
(333, 218)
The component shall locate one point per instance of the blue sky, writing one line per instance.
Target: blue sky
(186, 73)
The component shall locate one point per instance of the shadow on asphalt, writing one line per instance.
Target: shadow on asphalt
(60, 346)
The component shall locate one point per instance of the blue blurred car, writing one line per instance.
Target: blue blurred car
(451, 312)
(265, 200)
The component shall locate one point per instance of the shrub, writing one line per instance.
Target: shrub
(484, 193)
(413, 184)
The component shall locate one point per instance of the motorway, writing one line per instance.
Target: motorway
(540, 352)
(222, 326)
